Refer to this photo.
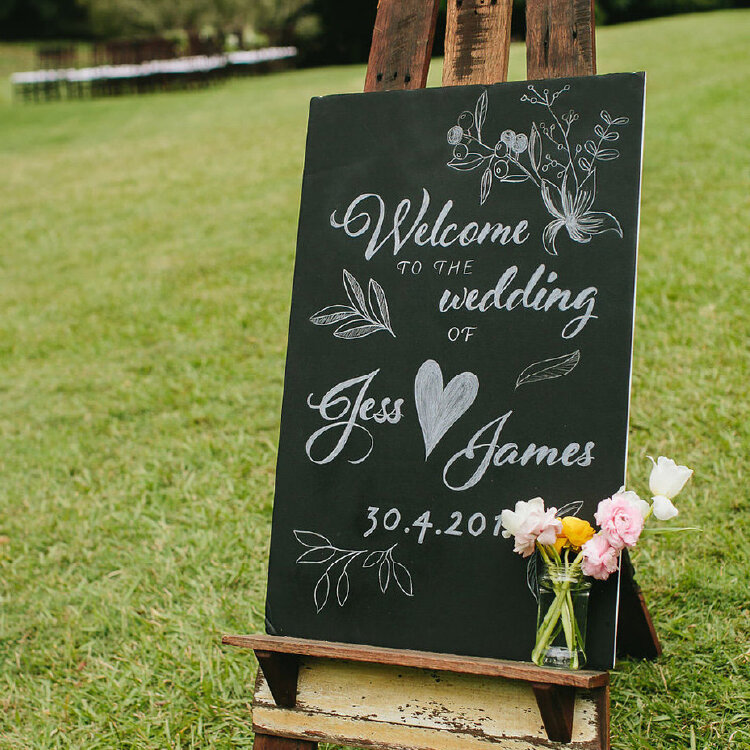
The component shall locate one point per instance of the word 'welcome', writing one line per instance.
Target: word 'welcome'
(366, 214)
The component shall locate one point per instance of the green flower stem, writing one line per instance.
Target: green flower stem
(545, 631)
(561, 613)
(573, 638)
(543, 553)
(544, 634)
(566, 617)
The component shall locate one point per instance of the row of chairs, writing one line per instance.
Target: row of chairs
(58, 56)
(135, 51)
(155, 75)
(130, 51)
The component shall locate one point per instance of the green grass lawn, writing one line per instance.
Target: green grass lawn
(145, 273)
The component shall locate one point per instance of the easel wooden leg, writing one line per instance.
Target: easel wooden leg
(556, 705)
(405, 64)
(272, 742)
(602, 705)
(355, 696)
(469, 21)
(560, 39)
(281, 671)
(636, 635)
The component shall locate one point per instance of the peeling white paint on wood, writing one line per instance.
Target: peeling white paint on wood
(376, 705)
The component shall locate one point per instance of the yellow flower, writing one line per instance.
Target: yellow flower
(577, 531)
(560, 542)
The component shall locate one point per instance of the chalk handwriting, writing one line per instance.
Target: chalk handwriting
(476, 524)
(454, 267)
(414, 266)
(506, 295)
(366, 216)
(484, 449)
(343, 411)
(455, 333)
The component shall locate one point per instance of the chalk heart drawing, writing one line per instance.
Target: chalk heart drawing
(440, 408)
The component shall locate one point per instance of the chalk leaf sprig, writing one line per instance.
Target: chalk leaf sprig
(321, 551)
(361, 317)
(547, 369)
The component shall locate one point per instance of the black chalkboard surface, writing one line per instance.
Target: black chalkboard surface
(460, 339)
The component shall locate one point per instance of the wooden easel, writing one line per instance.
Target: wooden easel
(316, 691)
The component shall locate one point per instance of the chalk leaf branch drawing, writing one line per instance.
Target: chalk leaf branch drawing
(321, 551)
(565, 178)
(440, 408)
(359, 318)
(547, 369)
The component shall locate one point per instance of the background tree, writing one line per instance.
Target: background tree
(122, 18)
(326, 31)
(43, 19)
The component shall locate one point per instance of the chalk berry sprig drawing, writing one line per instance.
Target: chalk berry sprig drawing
(321, 551)
(563, 171)
(360, 317)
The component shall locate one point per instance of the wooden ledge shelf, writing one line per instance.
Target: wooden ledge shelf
(511, 670)
(554, 690)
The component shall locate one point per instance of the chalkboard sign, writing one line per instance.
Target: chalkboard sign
(460, 339)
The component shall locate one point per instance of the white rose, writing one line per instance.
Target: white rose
(664, 508)
(512, 521)
(667, 478)
(665, 482)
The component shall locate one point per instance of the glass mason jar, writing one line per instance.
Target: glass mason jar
(563, 597)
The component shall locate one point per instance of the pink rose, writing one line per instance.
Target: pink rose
(620, 519)
(599, 557)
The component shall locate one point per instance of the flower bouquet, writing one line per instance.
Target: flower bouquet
(572, 552)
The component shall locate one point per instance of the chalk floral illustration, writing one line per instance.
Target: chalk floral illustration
(360, 317)
(321, 551)
(563, 171)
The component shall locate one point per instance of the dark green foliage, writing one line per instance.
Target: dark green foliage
(326, 31)
(344, 31)
(43, 19)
